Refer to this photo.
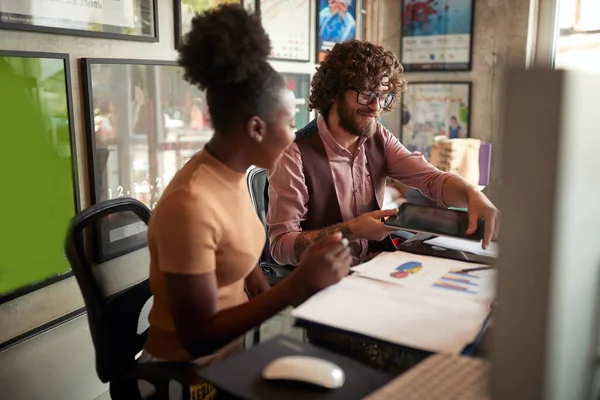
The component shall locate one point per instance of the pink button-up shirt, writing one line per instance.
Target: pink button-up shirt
(288, 194)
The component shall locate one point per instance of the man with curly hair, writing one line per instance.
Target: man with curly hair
(333, 177)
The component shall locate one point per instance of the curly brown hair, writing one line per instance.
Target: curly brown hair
(358, 64)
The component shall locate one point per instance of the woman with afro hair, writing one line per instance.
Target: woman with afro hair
(204, 236)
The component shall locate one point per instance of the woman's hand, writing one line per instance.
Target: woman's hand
(323, 264)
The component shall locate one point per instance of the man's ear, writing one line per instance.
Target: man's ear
(336, 100)
(256, 128)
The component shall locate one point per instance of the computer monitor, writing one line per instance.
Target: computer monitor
(545, 329)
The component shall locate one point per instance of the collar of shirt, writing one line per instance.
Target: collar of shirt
(330, 140)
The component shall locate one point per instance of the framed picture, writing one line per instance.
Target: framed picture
(38, 170)
(336, 23)
(431, 109)
(288, 26)
(300, 85)
(143, 123)
(186, 9)
(115, 19)
(437, 35)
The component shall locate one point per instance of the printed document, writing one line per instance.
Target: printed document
(413, 300)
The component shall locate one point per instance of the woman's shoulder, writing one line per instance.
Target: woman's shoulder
(184, 203)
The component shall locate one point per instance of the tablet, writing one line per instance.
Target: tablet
(435, 220)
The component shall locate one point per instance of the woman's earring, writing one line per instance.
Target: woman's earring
(257, 137)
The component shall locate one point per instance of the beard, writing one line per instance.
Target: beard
(356, 121)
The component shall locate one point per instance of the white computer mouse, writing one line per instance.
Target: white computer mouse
(305, 369)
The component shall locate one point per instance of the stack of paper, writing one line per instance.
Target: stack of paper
(408, 299)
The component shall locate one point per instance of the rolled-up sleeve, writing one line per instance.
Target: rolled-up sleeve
(288, 197)
(412, 169)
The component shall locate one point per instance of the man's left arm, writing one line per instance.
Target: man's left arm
(448, 189)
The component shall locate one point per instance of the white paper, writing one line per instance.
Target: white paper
(109, 12)
(387, 312)
(470, 246)
(434, 276)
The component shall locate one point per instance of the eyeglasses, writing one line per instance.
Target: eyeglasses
(367, 97)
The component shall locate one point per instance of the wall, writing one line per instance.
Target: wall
(500, 40)
(34, 309)
(58, 364)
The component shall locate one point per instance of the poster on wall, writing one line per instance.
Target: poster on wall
(37, 170)
(143, 123)
(435, 109)
(288, 24)
(300, 85)
(116, 19)
(336, 24)
(437, 35)
(186, 9)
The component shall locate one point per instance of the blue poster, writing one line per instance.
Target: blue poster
(337, 24)
(436, 34)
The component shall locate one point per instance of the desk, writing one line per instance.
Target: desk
(249, 385)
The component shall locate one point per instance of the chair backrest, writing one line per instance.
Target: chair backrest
(114, 318)
(258, 186)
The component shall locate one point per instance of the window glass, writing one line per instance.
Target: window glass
(578, 42)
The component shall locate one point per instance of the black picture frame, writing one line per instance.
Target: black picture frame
(112, 32)
(320, 53)
(436, 66)
(250, 5)
(128, 232)
(274, 35)
(419, 140)
(32, 287)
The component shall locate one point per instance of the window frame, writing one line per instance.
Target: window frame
(543, 33)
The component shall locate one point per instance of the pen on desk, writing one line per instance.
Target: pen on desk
(464, 271)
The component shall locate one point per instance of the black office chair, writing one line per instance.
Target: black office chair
(115, 319)
(258, 186)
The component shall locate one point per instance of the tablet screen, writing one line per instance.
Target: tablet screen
(433, 220)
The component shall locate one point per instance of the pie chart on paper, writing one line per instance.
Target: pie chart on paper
(406, 269)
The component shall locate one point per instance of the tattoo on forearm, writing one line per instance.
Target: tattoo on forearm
(300, 245)
(305, 239)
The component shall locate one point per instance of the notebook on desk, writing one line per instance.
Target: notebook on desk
(410, 300)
